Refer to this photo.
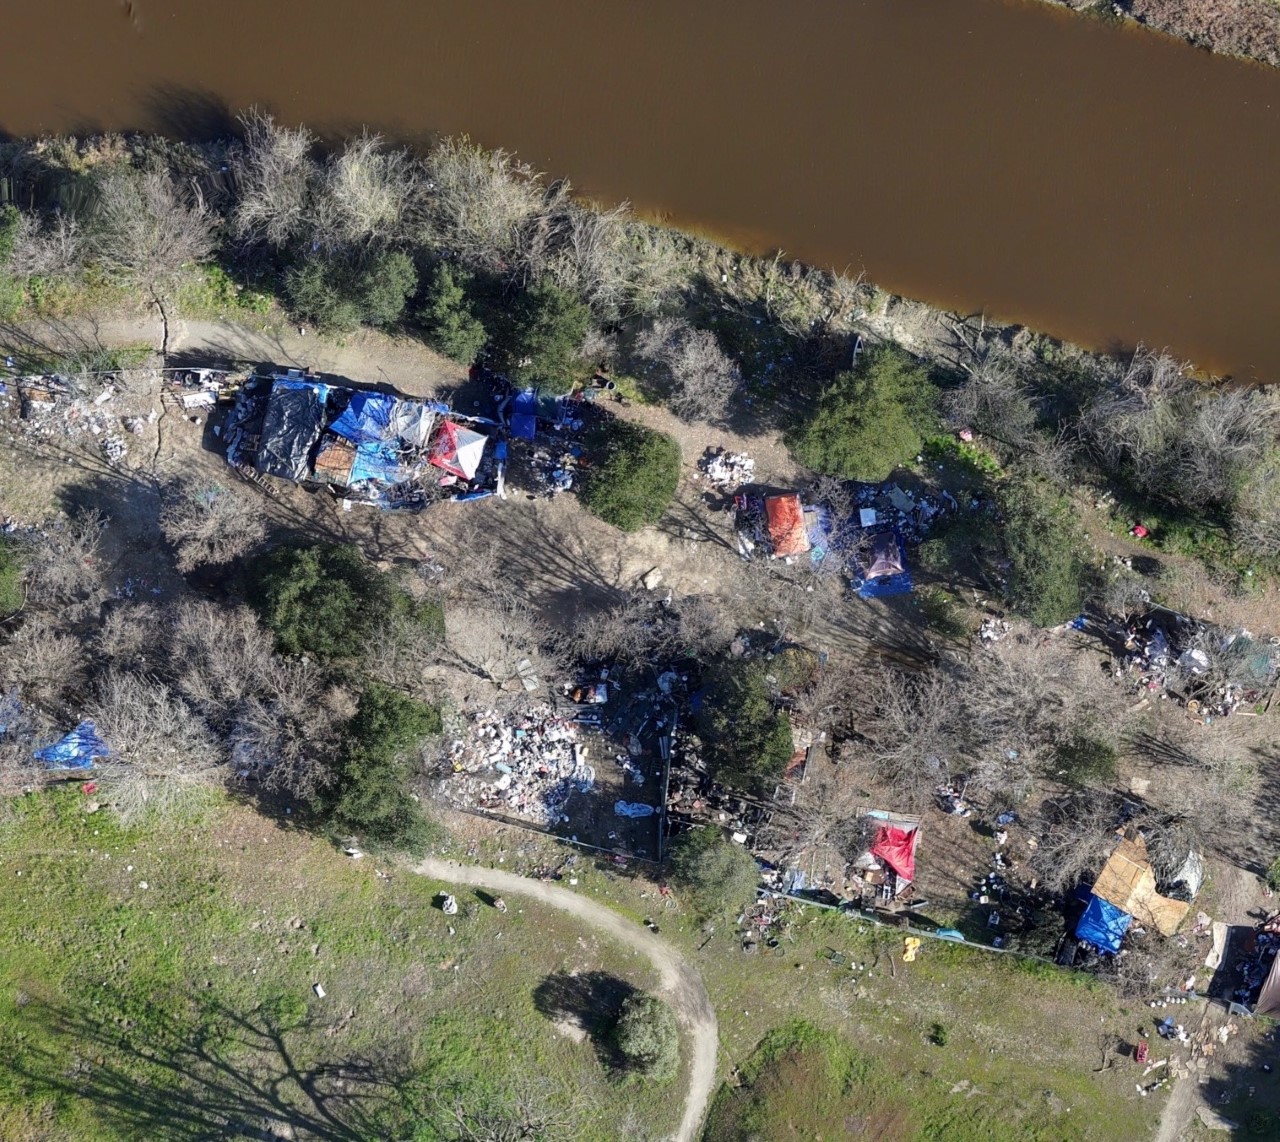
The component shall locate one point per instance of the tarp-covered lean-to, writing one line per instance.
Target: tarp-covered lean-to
(458, 450)
(785, 517)
(77, 750)
(294, 419)
(1103, 925)
(524, 415)
(366, 419)
(1128, 881)
(897, 848)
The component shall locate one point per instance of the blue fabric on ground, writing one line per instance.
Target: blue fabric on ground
(884, 587)
(1103, 925)
(375, 462)
(366, 419)
(76, 750)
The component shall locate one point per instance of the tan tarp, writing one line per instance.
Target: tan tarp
(1128, 881)
(1269, 997)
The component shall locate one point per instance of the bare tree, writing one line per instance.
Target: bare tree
(133, 635)
(286, 734)
(994, 402)
(43, 660)
(364, 194)
(1256, 519)
(161, 750)
(401, 650)
(219, 657)
(491, 639)
(64, 562)
(209, 523)
(1075, 838)
(700, 375)
(55, 250)
(275, 172)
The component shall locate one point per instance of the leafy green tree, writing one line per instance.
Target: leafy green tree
(323, 599)
(11, 595)
(370, 795)
(340, 292)
(1048, 575)
(868, 422)
(448, 319)
(547, 328)
(647, 1037)
(746, 737)
(715, 873)
(633, 477)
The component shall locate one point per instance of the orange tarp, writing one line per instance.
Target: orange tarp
(786, 525)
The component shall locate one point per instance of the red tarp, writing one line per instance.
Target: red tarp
(897, 849)
(786, 525)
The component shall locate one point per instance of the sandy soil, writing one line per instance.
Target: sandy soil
(681, 985)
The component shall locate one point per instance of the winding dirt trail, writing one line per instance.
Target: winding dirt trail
(681, 984)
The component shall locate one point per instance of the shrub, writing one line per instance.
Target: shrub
(647, 1037)
(448, 320)
(209, 523)
(747, 739)
(369, 796)
(339, 292)
(938, 1034)
(11, 597)
(548, 326)
(1048, 576)
(868, 422)
(1273, 874)
(634, 476)
(717, 874)
(1083, 758)
(324, 599)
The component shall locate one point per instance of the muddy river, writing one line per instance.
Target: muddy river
(1106, 185)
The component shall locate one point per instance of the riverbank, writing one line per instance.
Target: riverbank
(1247, 29)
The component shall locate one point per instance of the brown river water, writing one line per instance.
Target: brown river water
(1104, 184)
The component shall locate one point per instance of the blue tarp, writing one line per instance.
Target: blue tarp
(375, 462)
(77, 750)
(1103, 925)
(367, 419)
(524, 415)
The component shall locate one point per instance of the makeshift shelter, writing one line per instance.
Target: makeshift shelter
(334, 460)
(1269, 997)
(1103, 925)
(885, 556)
(77, 750)
(366, 419)
(458, 450)
(1128, 882)
(785, 517)
(292, 425)
(896, 847)
(524, 415)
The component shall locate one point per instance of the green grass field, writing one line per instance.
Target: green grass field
(185, 1009)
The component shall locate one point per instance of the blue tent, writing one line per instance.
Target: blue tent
(1103, 925)
(77, 750)
(524, 415)
(367, 419)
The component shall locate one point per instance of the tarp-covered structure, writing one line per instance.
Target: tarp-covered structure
(887, 867)
(1269, 997)
(785, 520)
(1128, 882)
(77, 750)
(524, 415)
(882, 567)
(896, 847)
(376, 446)
(1103, 925)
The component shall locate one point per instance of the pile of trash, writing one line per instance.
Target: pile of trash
(911, 515)
(527, 764)
(727, 470)
(49, 409)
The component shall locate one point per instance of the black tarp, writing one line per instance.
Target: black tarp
(294, 421)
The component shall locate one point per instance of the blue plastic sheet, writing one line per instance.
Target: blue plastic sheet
(375, 462)
(367, 419)
(1103, 925)
(77, 750)
(524, 415)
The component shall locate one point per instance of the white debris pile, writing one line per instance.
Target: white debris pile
(527, 764)
(48, 408)
(727, 470)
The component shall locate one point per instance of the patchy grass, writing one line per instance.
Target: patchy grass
(161, 985)
(213, 293)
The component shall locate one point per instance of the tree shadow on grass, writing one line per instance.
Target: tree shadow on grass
(224, 1075)
(589, 1000)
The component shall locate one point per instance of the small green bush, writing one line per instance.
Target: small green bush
(942, 613)
(1083, 758)
(634, 475)
(868, 422)
(716, 874)
(545, 332)
(1048, 576)
(647, 1037)
(448, 319)
(11, 594)
(323, 599)
(340, 293)
(938, 1034)
(369, 796)
(1273, 874)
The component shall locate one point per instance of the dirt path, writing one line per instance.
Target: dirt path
(681, 984)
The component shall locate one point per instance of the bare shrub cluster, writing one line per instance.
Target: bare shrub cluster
(699, 376)
(209, 524)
